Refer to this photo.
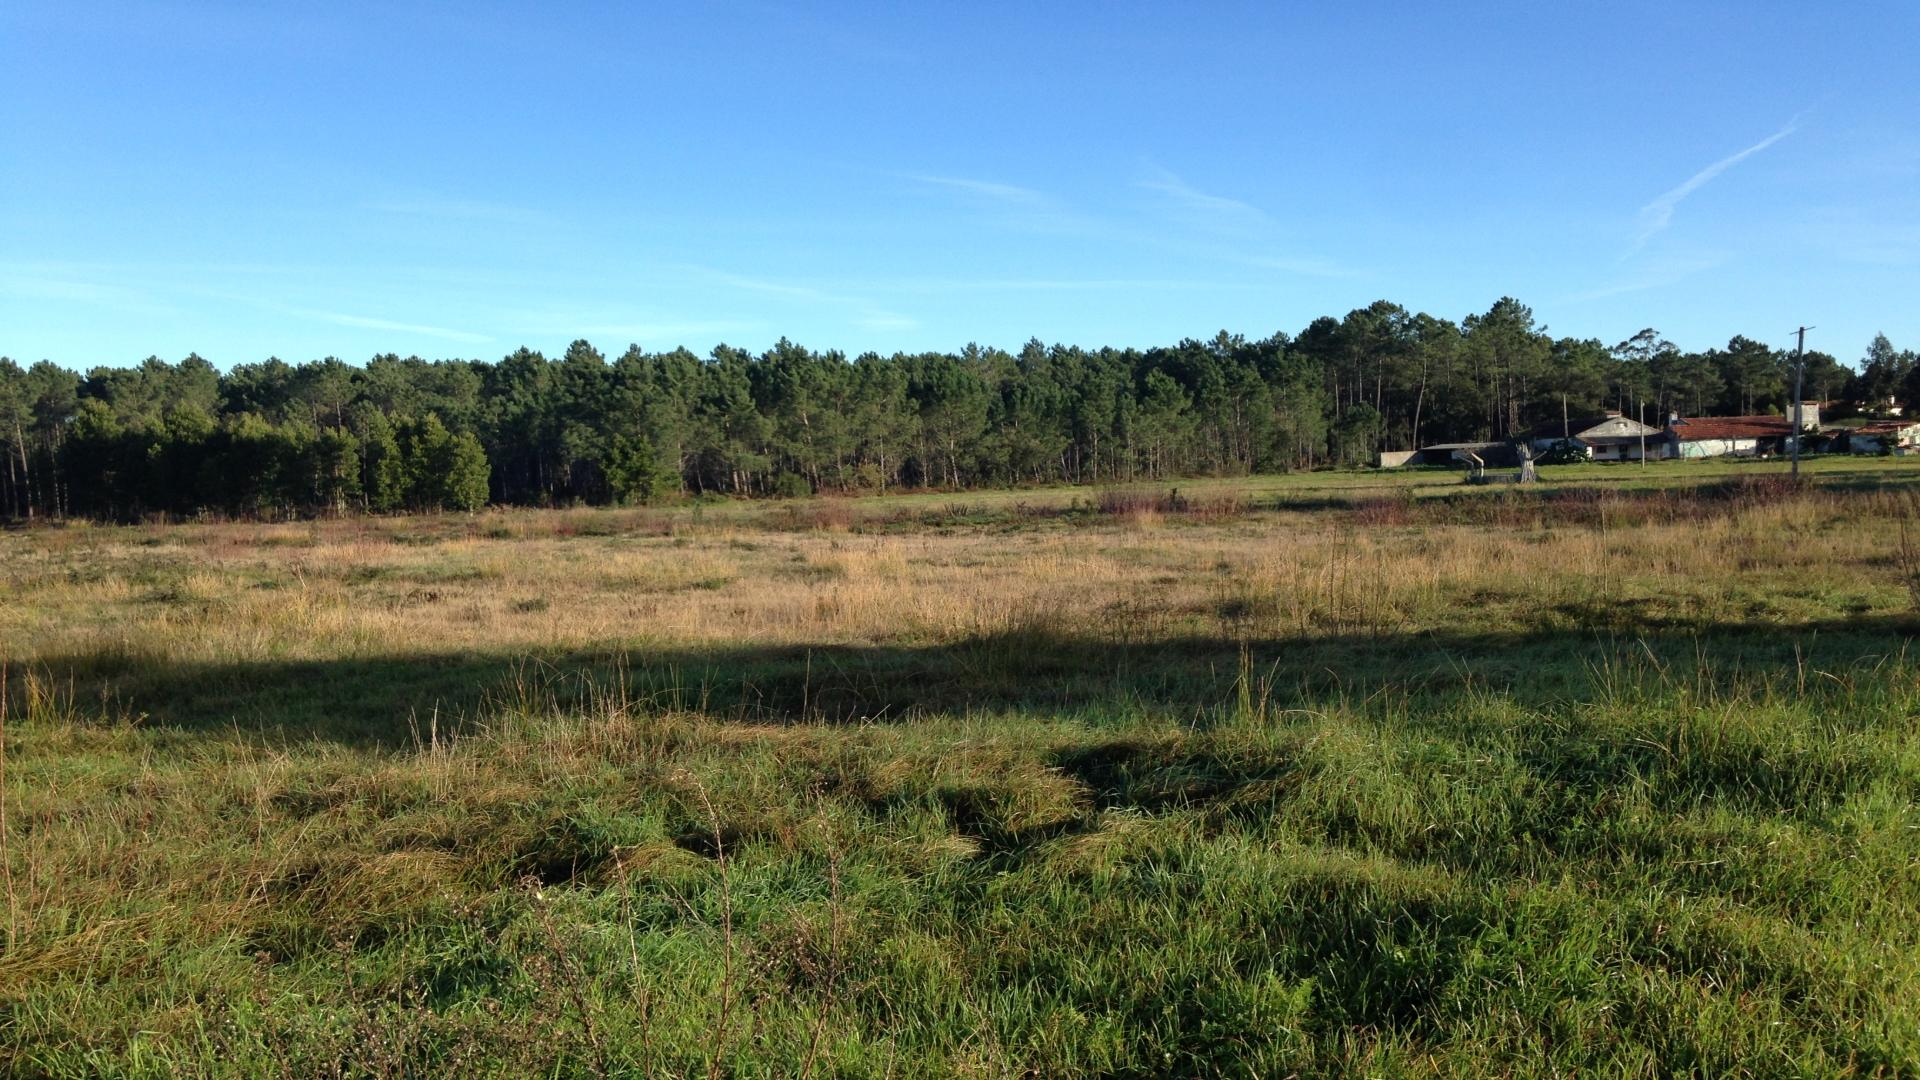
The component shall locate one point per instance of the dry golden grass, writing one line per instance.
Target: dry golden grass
(507, 583)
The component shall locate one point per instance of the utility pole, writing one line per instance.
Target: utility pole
(1799, 410)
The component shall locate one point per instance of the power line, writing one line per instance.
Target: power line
(1799, 407)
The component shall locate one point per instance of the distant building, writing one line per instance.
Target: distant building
(1607, 437)
(1738, 436)
(1898, 436)
(1611, 436)
(1459, 453)
(1729, 436)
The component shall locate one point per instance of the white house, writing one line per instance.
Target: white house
(1607, 437)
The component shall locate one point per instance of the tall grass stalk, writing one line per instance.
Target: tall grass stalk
(6, 828)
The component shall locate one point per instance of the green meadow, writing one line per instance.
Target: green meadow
(1334, 774)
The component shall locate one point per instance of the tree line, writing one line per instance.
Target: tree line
(271, 438)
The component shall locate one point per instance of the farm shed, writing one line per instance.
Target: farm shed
(1493, 453)
(1729, 436)
(1895, 435)
(1607, 437)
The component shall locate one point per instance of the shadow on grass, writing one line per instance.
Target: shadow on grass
(394, 701)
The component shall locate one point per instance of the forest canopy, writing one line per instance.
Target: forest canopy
(272, 438)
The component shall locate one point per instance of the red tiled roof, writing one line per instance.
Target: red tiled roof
(1693, 429)
(1885, 427)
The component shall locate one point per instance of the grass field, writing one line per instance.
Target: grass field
(1361, 774)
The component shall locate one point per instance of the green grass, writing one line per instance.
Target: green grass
(1668, 823)
(1669, 871)
(1303, 490)
(1433, 480)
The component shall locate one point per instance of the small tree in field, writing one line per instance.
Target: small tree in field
(634, 472)
(383, 471)
(466, 474)
(335, 468)
(442, 471)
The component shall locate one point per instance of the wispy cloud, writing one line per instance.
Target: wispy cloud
(1663, 275)
(1190, 198)
(952, 285)
(54, 289)
(777, 288)
(366, 323)
(1007, 193)
(862, 311)
(39, 287)
(613, 324)
(1658, 214)
(664, 333)
(1305, 266)
(184, 288)
(129, 300)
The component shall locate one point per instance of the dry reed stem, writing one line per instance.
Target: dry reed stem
(721, 1028)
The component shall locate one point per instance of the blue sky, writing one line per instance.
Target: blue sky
(302, 180)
